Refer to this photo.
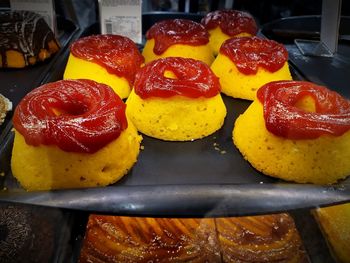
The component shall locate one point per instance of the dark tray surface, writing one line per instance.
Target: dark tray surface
(206, 177)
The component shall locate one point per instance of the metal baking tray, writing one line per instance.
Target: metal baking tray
(206, 177)
(15, 83)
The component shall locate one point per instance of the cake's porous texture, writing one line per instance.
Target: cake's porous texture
(302, 161)
(48, 167)
(177, 118)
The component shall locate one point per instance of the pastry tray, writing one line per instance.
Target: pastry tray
(206, 177)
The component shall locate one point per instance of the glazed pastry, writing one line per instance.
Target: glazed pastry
(25, 39)
(334, 222)
(225, 24)
(296, 131)
(267, 238)
(135, 239)
(176, 99)
(109, 59)
(245, 64)
(178, 38)
(72, 134)
(5, 106)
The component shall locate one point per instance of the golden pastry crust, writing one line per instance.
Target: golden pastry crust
(334, 222)
(134, 239)
(267, 238)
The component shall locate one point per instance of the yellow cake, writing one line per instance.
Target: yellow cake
(299, 160)
(244, 83)
(334, 222)
(109, 59)
(176, 117)
(178, 38)
(42, 161)
(225, 24)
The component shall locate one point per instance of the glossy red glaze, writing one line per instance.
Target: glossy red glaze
(75, 115)
(117, 54)
(193, 79)
(250, 53)
(177, 31)
(283, 118)
(231, 22)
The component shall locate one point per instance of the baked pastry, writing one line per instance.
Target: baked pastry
(178, 38)
(25, 39)
(176, 99)
(108, 59)
(266, 238)
(296, 131)
(245, 64)
(135, 239)
(334, 222)
(269, 238)
(72, 134)
(225, 24)
(5, 106)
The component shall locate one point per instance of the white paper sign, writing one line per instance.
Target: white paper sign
(41, 7)
(121, 17)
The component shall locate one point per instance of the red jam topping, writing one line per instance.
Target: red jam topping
(250, 53)
(231, 22)
(75, 115)
(192, 79)
(283, 118)
(117, 54)
(177, 31)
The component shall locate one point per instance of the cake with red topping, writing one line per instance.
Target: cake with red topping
(25, 39)
(176, 99)
(72, 134)
(245, 64)
(178, 38)
(296, 131)
(109, 59)
(226, 24)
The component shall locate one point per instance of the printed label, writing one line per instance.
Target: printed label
(121, 17)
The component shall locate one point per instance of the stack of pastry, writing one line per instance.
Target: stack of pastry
(270, 238)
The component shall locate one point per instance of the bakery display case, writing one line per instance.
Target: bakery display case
(206, 178)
